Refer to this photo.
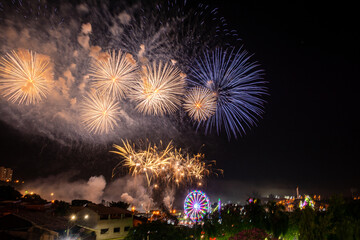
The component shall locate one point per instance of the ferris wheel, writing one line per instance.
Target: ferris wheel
(196, 205)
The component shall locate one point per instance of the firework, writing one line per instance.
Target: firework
(25, 77)
(200, 103)
(160, 89)
(114, 74)
(149, 161)
(237, 84)
(99, 113)
(163, 164)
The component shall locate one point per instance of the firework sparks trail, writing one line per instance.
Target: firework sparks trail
(114, 74)
(200, 103)
(99, 113)
(160, 89)
(167, 164)
(148, 162)
(238, 86)
(25, 77)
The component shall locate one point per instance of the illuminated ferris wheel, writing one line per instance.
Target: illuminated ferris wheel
(196, 205)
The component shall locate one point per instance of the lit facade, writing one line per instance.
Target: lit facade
(106, 222)
(6, 174)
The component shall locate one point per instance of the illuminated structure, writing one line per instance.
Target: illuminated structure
(6, 174)
(196, 205)
(307, 202)
(106, 222)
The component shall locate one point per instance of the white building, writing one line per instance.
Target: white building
(106, 222)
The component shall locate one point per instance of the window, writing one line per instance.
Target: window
(104, 230)
(126, 228)
(104, 216)
(116, 230)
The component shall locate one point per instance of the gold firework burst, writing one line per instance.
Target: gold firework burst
(25, 77)
(163, 164)
(99, 113)
(200, 103)
(160, 89)
(115, 74)
(149, 161)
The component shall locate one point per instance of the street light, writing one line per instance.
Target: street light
(72, 218)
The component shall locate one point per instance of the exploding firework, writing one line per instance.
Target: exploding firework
(200, 103)
(168, 30)
(186, 169)
(149, 161)
(237, 84)
(163, 164)
(25, 77)
(160, 89)
(114, 74)
(99, 113)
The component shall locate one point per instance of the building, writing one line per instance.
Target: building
(28, 227)
(106, 222)
(6, 174)
(19, 220)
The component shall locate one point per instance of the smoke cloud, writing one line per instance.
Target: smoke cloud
(65, 33)
(127, 189)
(72, 36)
(65, 189)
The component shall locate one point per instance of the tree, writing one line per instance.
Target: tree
(158, 231)
(278, 220)
(307, 224)
(314, 225)
(120, 204)
(33, 198)
(61, 208)
(9, 193)
(344, 218)
(251, 234)
(255, 214)
(79, 202)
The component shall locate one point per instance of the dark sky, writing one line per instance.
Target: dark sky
(308, 136)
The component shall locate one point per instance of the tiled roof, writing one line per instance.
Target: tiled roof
(101, 209)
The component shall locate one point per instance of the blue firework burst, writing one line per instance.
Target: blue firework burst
(238, 85)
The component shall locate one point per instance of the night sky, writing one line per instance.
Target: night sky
(308, 136)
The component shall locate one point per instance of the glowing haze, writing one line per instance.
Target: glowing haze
(105, 49)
